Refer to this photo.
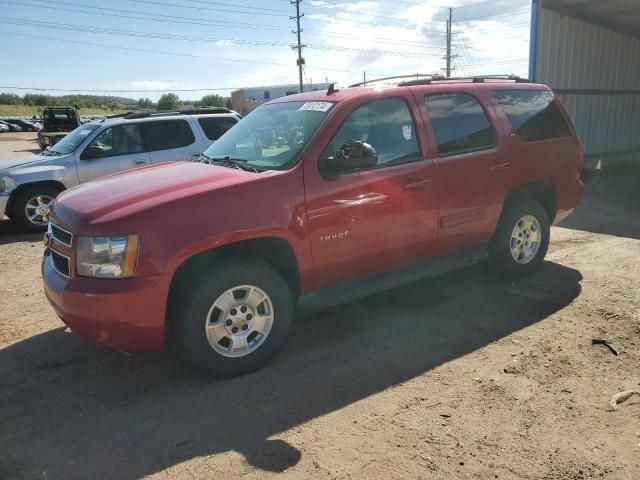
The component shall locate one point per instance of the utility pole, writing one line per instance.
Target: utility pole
(449, 24)
(297, 32)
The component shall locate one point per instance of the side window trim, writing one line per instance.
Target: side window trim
(419, 153)
(496, 140)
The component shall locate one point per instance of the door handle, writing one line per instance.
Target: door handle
(139, 161)
(502, 166)
(416, 184)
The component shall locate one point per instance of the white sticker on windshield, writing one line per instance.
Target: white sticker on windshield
(84, 133)
(406, 132)
(316, 106)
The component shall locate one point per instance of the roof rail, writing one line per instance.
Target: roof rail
(472, 79)
(117, 115)
(433, 76)
(161, 113)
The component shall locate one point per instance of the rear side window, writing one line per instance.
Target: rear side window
(533, 113)
(168, 134)
(459, 123)
(215, 127)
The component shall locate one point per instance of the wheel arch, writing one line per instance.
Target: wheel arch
(540, 190)
(22, 187)
(275, 251)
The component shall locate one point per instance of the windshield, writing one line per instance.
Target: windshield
(272, 136)
(72, 140)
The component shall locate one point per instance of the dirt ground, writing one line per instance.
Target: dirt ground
(18, 144)
(463, 376)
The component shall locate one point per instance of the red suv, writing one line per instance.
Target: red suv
(312, 199)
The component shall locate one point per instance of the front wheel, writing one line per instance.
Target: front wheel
(235, 320)
(31, 208)
(521, 239)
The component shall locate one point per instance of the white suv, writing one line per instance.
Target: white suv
(29, 185)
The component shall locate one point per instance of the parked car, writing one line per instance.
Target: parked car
(29, 185)
(12, 126)
(4, 128)
(371, 188)
(23, 124)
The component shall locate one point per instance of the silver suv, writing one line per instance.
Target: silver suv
(29, 185)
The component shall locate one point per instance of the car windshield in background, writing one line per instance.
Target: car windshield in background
(272, 136)
(72, 140)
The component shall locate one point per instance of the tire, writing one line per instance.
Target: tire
(532, 221)
(203, 306)
(25, 200)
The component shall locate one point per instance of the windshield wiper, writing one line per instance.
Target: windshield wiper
(232, 162)
(51, 152)
(229, 158)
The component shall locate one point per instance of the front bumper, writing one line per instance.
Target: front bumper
(125, 314)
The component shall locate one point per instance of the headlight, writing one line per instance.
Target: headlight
(107, 257)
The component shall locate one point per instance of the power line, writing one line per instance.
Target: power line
(169, 18)
(207, 22)
(144, 50)
(168, 36)
(77, 90)
(177, 5)
(316, 19)
(507, 14)
(252, 7)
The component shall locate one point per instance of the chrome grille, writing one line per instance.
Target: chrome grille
(60, 263)
(60, 234)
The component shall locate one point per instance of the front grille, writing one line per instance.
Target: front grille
(61, 235)
(60, 263)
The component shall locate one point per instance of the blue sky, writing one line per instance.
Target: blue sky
(226, 44)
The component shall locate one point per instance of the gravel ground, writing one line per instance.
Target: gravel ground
(463, 376)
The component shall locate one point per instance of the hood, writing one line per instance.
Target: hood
(123, 194)
(18, 165)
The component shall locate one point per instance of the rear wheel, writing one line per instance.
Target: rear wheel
(521, 239)
(236, 320)
(31, 208)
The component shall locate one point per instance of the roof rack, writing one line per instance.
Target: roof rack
(428, 78)
(161, 113)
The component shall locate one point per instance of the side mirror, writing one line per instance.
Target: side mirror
(92, 152)
(354, 155)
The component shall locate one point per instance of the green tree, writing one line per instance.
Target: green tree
(213, 100)
(145, 103)
(10, 99)
(168, 101)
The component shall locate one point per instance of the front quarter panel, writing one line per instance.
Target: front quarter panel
(61, 170)
(270, 205)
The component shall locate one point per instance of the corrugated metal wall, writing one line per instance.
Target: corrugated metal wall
(597, 73)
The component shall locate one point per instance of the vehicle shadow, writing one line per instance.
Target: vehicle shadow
(9, 234)
(612, 205)
(72, 409)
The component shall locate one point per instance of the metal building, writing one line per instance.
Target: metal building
(247, 99)
(588, 51)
